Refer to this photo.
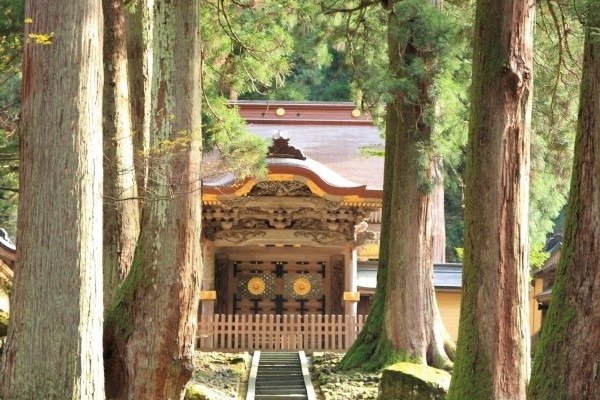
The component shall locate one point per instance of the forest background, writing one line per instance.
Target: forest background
(320, 51)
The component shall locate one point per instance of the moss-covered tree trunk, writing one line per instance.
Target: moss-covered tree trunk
(54, 348)
(568, 354)
(121, 208)
(404, 322)
(492, 359)
(152, 325)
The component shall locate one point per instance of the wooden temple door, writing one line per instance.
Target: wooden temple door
(279, 287)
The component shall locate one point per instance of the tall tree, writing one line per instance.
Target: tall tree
(151, 326)
(56, 301)
(438, 220)
(404, 323)
(121, 208)
(139, 27)
(492, 359)
(567, 356)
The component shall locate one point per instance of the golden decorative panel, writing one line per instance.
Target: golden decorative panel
(208, 295)
(256, 286)
(351, 296)
(302, 286)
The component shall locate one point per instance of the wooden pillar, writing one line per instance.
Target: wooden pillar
(208, 278)
(351, 295)
(207, 295)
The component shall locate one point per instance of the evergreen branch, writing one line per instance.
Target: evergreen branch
(230, 31)
(7, 122)
(361, 6)
(9, 189)
(8, 62)
(560, 55)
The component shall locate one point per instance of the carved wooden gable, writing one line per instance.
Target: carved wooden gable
(280, 188)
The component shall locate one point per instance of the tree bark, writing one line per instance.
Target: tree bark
(404, 322)
(568, 354)
(54, 348)
(139, 26)
(121, 207)
(438, 216)
(152, 327)
(493, 342)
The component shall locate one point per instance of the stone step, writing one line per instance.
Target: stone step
(279, 376)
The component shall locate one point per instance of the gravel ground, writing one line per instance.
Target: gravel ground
(224, 376)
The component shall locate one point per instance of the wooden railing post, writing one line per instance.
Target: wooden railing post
(228, 332)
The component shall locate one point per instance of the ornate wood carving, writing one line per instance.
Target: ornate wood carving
(237, 237)
(328, 205)
(286, 207)
(320, 237)
(307, 223)
(210, 229)
(254, 223)
(337, 285)
(281, 148)
(281, 188)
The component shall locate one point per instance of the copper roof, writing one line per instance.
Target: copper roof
(301, 112)
(336, 146)
(326, 179)
(332, 142)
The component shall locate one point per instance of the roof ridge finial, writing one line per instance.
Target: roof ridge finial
(281, 148)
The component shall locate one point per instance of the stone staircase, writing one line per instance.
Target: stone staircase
(279, 376)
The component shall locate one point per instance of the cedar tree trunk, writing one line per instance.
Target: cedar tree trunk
(568, 354)
(404, 322)
(151, 329)
(139, 27)
(121, 209)
(492, 359)
(54, 347)
(438, 216)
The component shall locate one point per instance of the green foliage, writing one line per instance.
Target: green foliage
(242, 153)
(426, 36)
(247, 48)
(537, 256)
(3, 323)
(246, 45)
(558, 51)
(11, 27)
(460, 253)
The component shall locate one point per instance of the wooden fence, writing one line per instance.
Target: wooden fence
(225, 332)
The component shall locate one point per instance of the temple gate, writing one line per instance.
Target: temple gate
(286, 244)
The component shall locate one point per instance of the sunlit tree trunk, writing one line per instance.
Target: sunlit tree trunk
(404, 322)
(493, 343)
(438, 215)
(568, 354)
(121, 207)
(54, 348)
(139, 27)
(154, 320)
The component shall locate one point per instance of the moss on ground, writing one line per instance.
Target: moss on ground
(409, 381)
(194, 392)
